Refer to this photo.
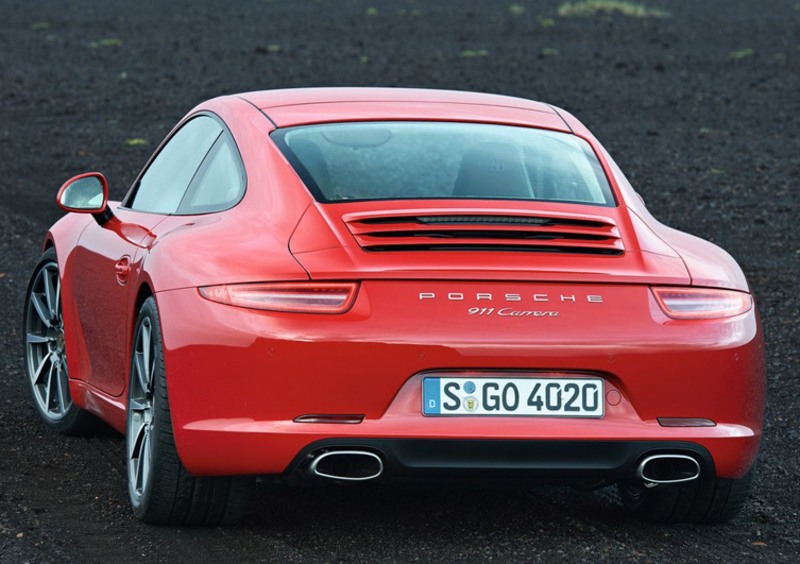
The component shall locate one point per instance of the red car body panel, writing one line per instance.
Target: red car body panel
(239, 377)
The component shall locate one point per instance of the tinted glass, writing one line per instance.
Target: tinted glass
(413, 160)
(219, 183)
(165, 182)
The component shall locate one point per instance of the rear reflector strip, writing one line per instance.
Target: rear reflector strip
(340, 419)
(685, 422)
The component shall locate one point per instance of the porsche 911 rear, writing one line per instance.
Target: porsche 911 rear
(381, 284)
(453, 327)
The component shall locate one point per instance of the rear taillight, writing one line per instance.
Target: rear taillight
(298, 297)
(702, 303)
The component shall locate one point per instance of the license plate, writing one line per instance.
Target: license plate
(550, 397)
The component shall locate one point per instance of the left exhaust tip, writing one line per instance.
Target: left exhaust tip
(350, 465)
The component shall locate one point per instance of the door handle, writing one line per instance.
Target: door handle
(123, 269)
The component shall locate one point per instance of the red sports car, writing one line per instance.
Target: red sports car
(365, 284)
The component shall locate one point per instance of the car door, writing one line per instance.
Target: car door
(108, 255)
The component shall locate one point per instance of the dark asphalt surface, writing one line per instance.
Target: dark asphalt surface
(700, 109)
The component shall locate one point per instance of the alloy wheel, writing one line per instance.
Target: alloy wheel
(140, 420)
(44, 345)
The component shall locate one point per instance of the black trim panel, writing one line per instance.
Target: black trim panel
(544, 461)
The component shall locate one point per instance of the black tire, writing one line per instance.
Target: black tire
(169, 495)
(698, 501)
(69, 420)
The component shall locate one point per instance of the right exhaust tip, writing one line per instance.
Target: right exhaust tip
(668, 469)
(350, 465)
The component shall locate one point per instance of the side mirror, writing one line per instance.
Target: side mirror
(86, 193)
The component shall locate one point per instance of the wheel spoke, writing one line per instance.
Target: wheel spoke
(40, 308)
(141, 371)
(57, 308)
(38, 339)
(145, 457)
(49, 388)
(142, 459)
(146, 352)
(137, 441)
(63, 389)
(138, 479)
(38, 373)
(49, 292)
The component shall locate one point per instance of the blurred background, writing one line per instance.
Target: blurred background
(697, 101)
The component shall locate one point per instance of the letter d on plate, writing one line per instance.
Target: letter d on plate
(431, 397)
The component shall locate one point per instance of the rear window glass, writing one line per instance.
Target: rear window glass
(360, 161)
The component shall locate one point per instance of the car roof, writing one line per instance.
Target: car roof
(298, 106)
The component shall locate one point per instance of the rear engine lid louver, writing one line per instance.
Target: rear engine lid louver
(545, 233)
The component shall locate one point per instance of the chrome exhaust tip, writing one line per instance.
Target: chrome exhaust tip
(668, 469)
(350, 465)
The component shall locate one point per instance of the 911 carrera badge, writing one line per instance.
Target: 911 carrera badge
(511, 312)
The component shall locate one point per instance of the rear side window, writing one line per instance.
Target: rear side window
(219, 183)
(165, 181)
(443, 160)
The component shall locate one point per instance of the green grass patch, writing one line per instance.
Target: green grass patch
(39, 26)
(108, 42)
(742, 53)
(547, 22)
(475, 53)
(516, 9)
(549, 51)
(136, 142)
(372, 11)
(608, 7)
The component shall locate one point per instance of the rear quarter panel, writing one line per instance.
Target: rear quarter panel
(249, 242)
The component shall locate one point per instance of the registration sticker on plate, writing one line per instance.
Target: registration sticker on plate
(551, 397)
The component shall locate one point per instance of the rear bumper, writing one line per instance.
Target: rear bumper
(238, 378)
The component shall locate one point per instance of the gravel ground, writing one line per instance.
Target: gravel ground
(700, 108)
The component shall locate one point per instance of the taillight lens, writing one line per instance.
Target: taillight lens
(298, 297)
(702, 303)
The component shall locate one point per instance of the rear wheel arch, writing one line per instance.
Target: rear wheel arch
(144, 292)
